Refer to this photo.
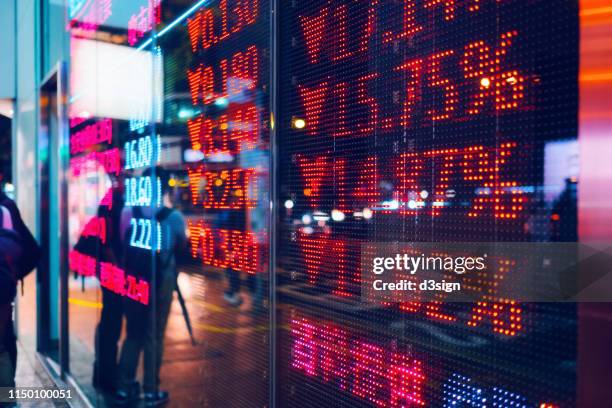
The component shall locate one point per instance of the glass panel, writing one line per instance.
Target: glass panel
(111, 116)
(215, 130)
(169, 188)
(432, 121)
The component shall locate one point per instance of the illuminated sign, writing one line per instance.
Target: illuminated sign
(227, 81)
(386, 375)
(420, 120)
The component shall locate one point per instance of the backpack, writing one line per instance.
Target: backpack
(29, 248)
(138, 261)
(10, 252)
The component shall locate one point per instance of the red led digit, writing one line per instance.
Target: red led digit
(201, 85)
(504, 316)
(449, 7)
(312, 254)
(445, 163)
(246, 126)
(370, 122)
(340, 92)
(340, 268)
(247, 12)
(313, 99)
(410, 26)
(370, 26)
(313, 171)
(245, 251)
(340, 43)
(408, 170)
(217, 188)
(223, 9)
(413, 86)
(245, 71)
(451, 96)
(367, 191)
(194, 237)
(195, 177)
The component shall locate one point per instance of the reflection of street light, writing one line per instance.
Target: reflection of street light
(306, 219)
(337, 215)
(298, 123)
(367, 213)
(221, 102)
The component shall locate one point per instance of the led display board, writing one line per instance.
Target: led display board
(431, 121)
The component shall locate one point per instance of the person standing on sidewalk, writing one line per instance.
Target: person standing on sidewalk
(146, 324)
(19, 255)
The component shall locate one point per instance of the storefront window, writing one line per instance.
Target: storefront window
(394, 121)
(169, 199)
(422, 121)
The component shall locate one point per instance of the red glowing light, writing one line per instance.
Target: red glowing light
(226, 189)
(505, 317)
(409, 21)
(95, 227)
(313, 172)
(504, 89)
(449, 7)
(313, 29)
(313, 99)
(367, 190)
(365, 369)
(222, 248)
(143, 22)
(110, 160)
(82, 264)
(205, 23)
(243, 76)
(119, 282)
(107, 200)
(91, 135)
(481, 166)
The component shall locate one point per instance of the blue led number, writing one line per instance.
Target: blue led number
(142, 152)
(139, 191)
(459, 392)
(142, 234)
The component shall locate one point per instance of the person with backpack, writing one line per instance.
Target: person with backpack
(157, 264)
(19, 255)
